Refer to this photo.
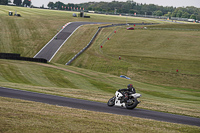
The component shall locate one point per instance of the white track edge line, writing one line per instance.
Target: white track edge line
(63, 43)
(51, 40)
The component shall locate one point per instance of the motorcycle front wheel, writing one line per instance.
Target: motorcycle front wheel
(132, 103)
(111, 102)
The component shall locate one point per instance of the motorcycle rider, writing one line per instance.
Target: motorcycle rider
(130, 90)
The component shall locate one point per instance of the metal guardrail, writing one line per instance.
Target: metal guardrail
(84, 47)
(180, 19)
(99, 28)
(128, 24)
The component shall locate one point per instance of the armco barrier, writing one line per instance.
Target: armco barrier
(84, 48)
(12, 56)
(128, 24)
(97, 34)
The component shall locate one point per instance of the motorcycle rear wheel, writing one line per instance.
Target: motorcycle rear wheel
(111, 102)
(132, 104)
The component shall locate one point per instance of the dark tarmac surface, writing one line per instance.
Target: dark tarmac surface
(51, 48)
(96, 106)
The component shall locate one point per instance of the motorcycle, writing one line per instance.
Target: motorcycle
(128, 101)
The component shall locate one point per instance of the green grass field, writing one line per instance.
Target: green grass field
(149, 57)
(28, 34)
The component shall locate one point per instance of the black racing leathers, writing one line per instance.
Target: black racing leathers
(127, 91)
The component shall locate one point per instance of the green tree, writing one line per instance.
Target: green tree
(3, 2)
(26, 3)
(59, 5)
(17, 2)
(159, 13)
(169, 14)
(51, 5)
(198, 17)
(193, 17)
(89, 8)
(132, 11)
(179, 13)
(149, 9)
(42, 6)
(185, 15)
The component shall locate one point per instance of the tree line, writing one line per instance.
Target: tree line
(16, 2)
(116, 7)
(4, 2)
(131, 7)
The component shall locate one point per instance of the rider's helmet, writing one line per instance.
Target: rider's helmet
(130, 86)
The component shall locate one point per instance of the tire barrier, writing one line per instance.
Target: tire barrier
(13, 56)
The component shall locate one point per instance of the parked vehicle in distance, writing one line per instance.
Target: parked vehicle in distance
(123, 76)
(130, 28)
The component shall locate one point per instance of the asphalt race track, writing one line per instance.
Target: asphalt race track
(50, 49)
(96, 106)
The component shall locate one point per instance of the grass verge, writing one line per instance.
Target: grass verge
(150, 56)
(25, 116)
(86, 84)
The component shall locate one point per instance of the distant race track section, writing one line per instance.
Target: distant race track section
(52, 47)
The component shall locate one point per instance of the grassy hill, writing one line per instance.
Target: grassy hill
(86, 84)
(149, 57)
(26, 35)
